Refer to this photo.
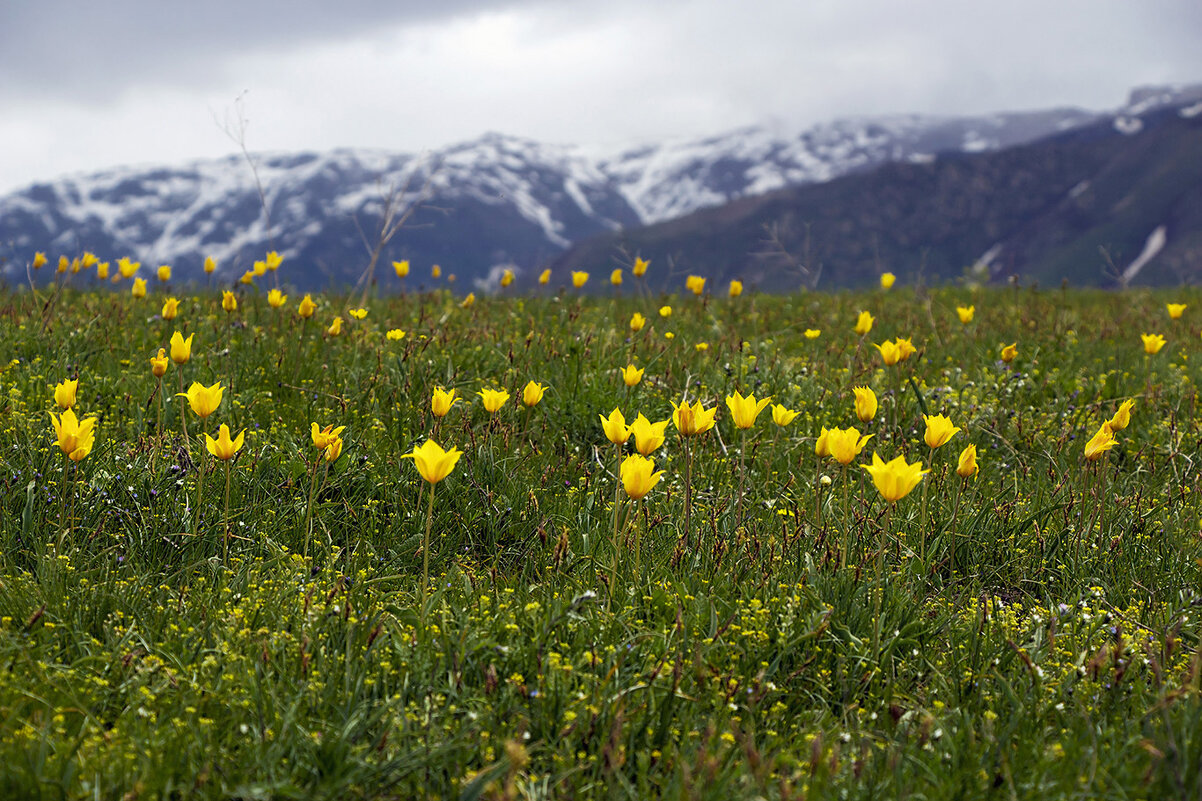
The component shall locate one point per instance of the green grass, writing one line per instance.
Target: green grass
(1036, 637)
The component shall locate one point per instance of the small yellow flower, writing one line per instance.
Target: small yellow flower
(1100, 443)
(637, 321)
(395, 335)
(274, 260)
(965, 314)
(170, 309)
(813, 333)
(638, 476)
(939, 430)
(966, 466)
(864, 323)
(665, 311)
(866, 404)
(223, 447)
(89, 259)
(1152, 343)
(1009, 352)
(693, 420)
(436, 271)
(126, 267)
(1176, 310)
(64, 264)
(322, 437)
(181, 349)
(544, 277)
(258, 269)
(614, 426)
(158, 364)
(890, 352)
(203, 400)
(640, 267)
(247, 278)
(164, 273)
(276, 298)
(1122, 418)
(782, 415)
(358, 314)
(306, 308)
(210, 265)
(335, 327)
(845, 444)
(822, 445)
(401, 268)
(532, 393)
(631, 375)
(507, 277)
(648, 436)
(615, 277)
(887, 280)
(39, 260)
(745, 410)
(229, 301)
(736, 288)
(333, 450)
(468, 300)
(494, 399)
(433, 462)
(102, 271)
(139, 288)
(695, 284)
(894, 479)
(64, 393)
(442, 401)
(74, 437)
(579, 278)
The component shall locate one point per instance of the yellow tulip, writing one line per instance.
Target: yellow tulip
(822, 445)
(139, 288)
(1009, 352)
(579, 278)
(223, 447)
(276, 298)
(494, 399)
(203, 400)
(640, 267)
(614, 426)
(164, 273)
(890, 352)
(631, 375)
(126, 267)
(322, 437)
(637, 321)
(274, 260)
(210, 265)
(436, 271)
(229, 301)
(64, 393)
(894, 479)
(64, 264)
(335, 327)
(306, 308)
(259, 268)
(1152, 343)
(965, 313)
(782, 415)
(89, 259)
(442, 401)
(695, 284)
(638, 477)
(736, 288)
(887, 280)
(39, 260)
(358, 314)
(401, 268)
(813, 333)
(469, 300)
(74, 437)
(905, 348)
(845, 444)
(939, 430)
(648, 436)
(102, 271)
(864, 323)
(158, 364)
(866, 404)
(395, 335)
(544, 277)
(1100, 443)
(507, 277)
(532, 393)
(966, 466)
(1176, 310)
(247, 279)
(170, 309)
(693, 420)
(333, 450)
(615, 277)
(745, 410)
(1122, 418)
(181, 349)
(433, 462)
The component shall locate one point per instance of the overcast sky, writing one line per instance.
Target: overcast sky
(85, 86)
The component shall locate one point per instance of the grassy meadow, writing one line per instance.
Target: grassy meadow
(762, 623)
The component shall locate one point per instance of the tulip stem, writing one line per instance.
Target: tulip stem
(158, 429)
(200, 483)
(880, 583)
(688, 488)
(847, 519)
(922, 526)
(613, 575)
(955, 516)
(225, 549)
(309, 507)
(183, 412)
(426, 559)
(742, 474)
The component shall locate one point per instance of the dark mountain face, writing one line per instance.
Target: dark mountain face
(506, 201)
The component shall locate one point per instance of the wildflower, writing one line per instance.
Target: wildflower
(693, 420)
(1122, 418)
(894, 479)
(247, 278)
(648, 436)
(845, 444)
(210, 265)
(276, 298)
(1100, 443)
(89, 259)
(203, 400)
(939, 430)
(1152, 343)
(335, 327)
(782, 415)
(638, 477)
(887, 280)
(442, 401)
(358, 314)
(866, 404)
(306, 308)
(1176, 310)
(890, 352)
(665, 311)
(64, 264)
(223, 447)
(102, 271)
(77, 264)
(333, 450)
(532, 393)
(436, 271)
(631, 375)
(822, 445)
(614, 426)
(126, 267)
(170, 309)
(322, 437)
(229, 301)
(39, 260)
(433, 462)
(494, 399)
(640, 267)
(259, 268)
(74, 437)
(813, 333)
(544, 277)
(1009, 352)
(965, 313)
(468, 300)
(736, 288)
(637, 321)
(579, 278)
(506, 277)
(401, 268)
(158, 364)
(181, 349)
(64, 393)
(164, 273)
(695, 284)
(395, 335)
(745, 410)
(273, 260)
(139, 288)
(615, 277)
(864, 323)
(966, 466)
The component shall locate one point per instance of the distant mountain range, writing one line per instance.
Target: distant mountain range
(871, 192)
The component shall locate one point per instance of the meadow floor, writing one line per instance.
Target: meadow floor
(762, 624)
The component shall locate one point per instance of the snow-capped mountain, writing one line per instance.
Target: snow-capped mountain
(488, 202)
